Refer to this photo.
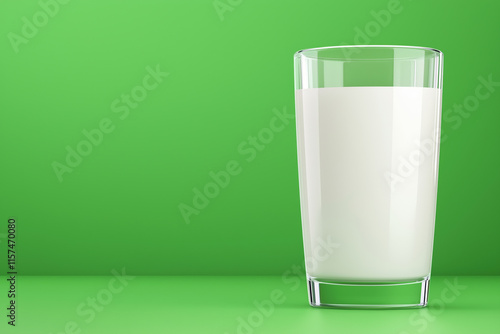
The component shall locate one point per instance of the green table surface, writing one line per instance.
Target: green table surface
(244, 304)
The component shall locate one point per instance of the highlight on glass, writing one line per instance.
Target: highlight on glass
(368, 127)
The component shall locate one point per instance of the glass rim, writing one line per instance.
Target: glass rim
(407, 47)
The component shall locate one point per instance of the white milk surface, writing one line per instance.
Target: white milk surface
(368, 180)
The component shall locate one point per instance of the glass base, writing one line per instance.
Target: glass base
(412, 294)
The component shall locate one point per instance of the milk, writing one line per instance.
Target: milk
(368, 180)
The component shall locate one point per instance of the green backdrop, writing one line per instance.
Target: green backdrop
(114, 114)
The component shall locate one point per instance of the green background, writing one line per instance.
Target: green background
(219, 305)
(120, 206)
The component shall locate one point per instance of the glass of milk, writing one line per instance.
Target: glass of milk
(368, 129)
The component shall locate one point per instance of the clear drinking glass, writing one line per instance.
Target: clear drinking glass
(368, 130)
